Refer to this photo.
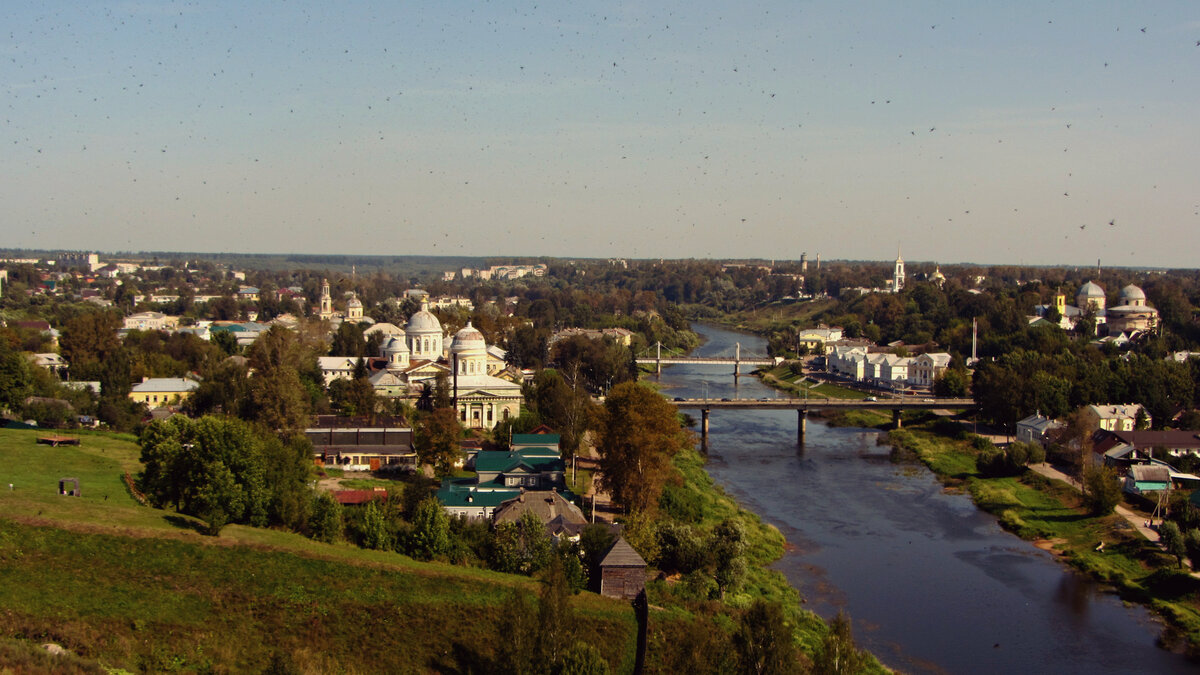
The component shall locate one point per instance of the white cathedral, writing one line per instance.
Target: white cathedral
(411, 358)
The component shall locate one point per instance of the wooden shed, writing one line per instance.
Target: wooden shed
(622, 571)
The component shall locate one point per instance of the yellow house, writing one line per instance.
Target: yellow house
(157, 392)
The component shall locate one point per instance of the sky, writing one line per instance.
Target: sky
(1020, 132)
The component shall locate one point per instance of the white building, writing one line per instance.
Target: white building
(928, 367)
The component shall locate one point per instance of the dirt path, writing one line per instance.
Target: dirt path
(588, 458)
(1136, 520)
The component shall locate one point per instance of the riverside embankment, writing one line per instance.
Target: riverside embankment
(933, 583)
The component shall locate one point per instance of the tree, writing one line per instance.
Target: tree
(223, 390)
(88, 340)
(556, 622)
(16, 379)
(952, 383)
(437, 440)
(373, 530)
(517, 653)
(325, 523)
(1192, 543)
(639, 433)
(212, 468)
(838, 653)
(727, 546)
(226, 341)
(1173, 540)
(565, 408)
(1101, 489)
(763, 641)
(219, 499)
(430, 536)
(582, 658)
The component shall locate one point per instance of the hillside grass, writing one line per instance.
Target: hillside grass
(765, 545)
(1052, 513)
(782, 378)
(769, 317)
(128, 587)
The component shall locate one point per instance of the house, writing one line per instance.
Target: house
(531, 468)
(158, 392)
(1130, 446)
(1037, 429)
(1143, 478)
(621, 336)
(1114, 417)
(504, 475)
(463, 497)
(337, 367)
(55, 363)
(847, 361)
(245, 333)
(542, 437)
(927, 368)
(622, 571)
(814, 339)
(563, 519)
(151, 321)
(353, 445)
(894, 369)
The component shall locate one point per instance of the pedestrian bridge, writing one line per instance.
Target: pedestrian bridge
(736, 359)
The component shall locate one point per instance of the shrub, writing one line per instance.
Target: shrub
(1101, 489)
(325, 524)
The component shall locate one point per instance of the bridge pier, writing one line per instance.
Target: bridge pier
(801, 423)
(896, 422)
(704, 426)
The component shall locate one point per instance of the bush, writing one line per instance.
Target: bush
(680, 549)
(681, 504)
(1101, 489)
(982, 444)
(325, 524)
(1192, 543)
(1173, 540)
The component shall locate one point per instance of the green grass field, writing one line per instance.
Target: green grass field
(128, 587)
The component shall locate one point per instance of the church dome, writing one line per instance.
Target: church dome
(1091, 290)
(355, 302)
(423, 323)
(1131, 293)
(393, 345)
(468, 338)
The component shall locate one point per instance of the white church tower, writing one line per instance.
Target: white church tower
(326, 301)
(898, 274)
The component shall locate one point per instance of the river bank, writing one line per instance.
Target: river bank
(933, 583)
(701, 503)
(1051, 515)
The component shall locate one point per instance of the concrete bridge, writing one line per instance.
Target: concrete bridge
(802, 406)
(737, 360)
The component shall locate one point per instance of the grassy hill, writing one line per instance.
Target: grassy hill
(122, 586)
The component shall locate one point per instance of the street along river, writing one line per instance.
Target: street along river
(933, 585)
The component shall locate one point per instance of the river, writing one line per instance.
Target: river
(933, 584)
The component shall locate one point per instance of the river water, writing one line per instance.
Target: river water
(932, 584)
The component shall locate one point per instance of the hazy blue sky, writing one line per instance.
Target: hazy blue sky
(965, 131)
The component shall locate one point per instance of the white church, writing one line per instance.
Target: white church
(411, 358)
